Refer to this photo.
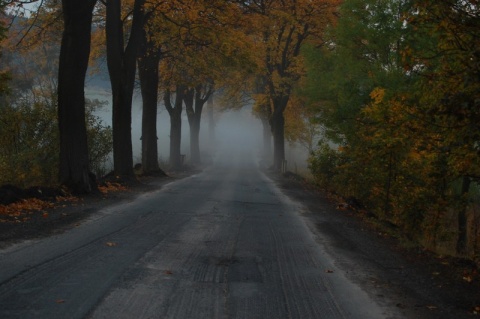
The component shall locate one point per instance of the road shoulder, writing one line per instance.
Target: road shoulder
(65, 215)
(419, 283)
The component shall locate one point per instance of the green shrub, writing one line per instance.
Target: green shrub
(29, 143)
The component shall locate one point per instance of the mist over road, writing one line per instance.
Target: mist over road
(225, 243)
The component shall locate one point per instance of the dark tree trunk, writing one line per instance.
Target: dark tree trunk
(462, 218)
(175, 112)
(267, 137)
(199, 96)
(73, 63)
(121, 67)
(175, 140)
(189, 99)
(211, 122)
(195, 140)
(387, 207)
(148, 68)
(278, 129)
(277, 122)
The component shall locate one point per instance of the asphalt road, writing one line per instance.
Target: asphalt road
(225, 243)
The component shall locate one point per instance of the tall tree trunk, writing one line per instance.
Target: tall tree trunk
(211, 122)
(278, 130)
(194, 108)
(195, 140)
(189, 99)
(175, 140)
(388, 184)
(194, 122)
(175, 112)
(267, 137)
(277, 122)
(462, 240)
(148, 68)
(73, 63)
(121, 67)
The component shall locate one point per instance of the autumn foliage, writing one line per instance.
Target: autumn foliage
(402, 122)
(390, 88)
(24, 210)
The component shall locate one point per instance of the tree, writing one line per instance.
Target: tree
(175, 111)
(121, 61)
(397, 95)
(195, 98)
(449, 67)
(198, 41)
(280, 29)
(29, 113)
(262, 109)
(4, 79)
(74, 55)
(301, 124)
(365, 103)
(29, 146)
(211, 122)
(4, 76)
(148, 71)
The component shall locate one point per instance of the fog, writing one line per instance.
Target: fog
(236, 131)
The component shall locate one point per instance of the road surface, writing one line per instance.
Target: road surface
(225, 243)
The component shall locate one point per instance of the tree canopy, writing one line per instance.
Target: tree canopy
(399, 91)
(383, 93)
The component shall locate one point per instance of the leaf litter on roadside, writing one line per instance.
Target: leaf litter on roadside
(24, 210)
(109, 187)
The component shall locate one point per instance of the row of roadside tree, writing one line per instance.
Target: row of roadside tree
(392, 86)
(182, 49)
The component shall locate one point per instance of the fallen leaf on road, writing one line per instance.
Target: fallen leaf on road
(60, 301)
(111, 187)
(110, 244)
(328, 271)
(432, 307)
(168, 272)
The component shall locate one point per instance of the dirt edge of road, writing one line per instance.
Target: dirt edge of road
(421, 284)
(65, 215)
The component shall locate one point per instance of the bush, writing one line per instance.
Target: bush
(29, 144)
(323, 165)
